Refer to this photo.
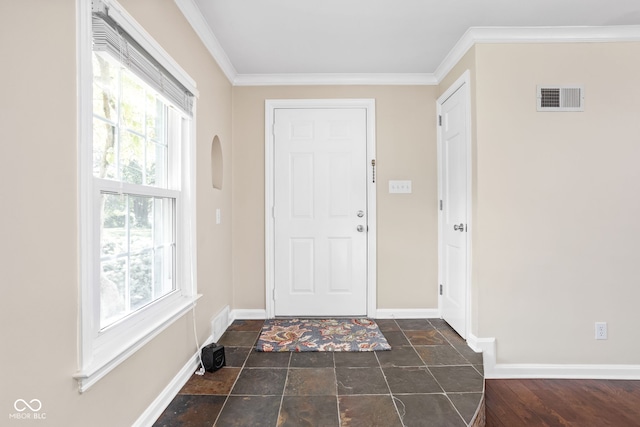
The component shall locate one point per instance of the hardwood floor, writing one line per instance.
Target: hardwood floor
(544, 402)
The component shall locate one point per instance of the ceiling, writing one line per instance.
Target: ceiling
(283, 37)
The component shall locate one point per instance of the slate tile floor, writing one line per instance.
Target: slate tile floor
(429, 378)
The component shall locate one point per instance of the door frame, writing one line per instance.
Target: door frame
(270, 106)
(463, 81)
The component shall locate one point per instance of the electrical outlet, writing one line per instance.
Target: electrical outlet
(601, 330)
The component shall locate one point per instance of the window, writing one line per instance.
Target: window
(132, 137)
(136, 205)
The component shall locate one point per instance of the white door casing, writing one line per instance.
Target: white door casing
(454, 215)
(319, 183)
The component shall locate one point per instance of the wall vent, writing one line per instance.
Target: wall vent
(560, 98)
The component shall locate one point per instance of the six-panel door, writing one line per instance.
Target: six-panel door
(320, 212)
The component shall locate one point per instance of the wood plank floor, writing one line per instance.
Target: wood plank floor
(545, 402)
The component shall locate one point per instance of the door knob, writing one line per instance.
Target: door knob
(360, 228)
(458, 227)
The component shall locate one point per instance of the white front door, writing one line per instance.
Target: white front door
(453, 214)
(320, 212)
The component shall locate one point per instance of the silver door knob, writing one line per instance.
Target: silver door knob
(360, 214)
(360, 228)
(458, 227)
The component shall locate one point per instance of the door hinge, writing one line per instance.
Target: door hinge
(439, 120)
(440, 288)
(440, 204)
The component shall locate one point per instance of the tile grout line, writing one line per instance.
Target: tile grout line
(426, 365)
(384, 375)
(284, 388)
(335, 374)
(446, 394)
(226, 399)
(456, 408)
(233, 385)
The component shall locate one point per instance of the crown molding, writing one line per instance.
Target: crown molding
(304, 79)
(473, 36)
(202, 29)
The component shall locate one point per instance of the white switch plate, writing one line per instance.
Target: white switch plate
(217, 216)
(403, 187)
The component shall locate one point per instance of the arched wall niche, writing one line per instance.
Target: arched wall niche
(216, 163)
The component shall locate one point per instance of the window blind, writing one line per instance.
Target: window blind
(109, 37)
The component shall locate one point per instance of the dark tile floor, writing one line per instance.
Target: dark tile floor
(429, 378)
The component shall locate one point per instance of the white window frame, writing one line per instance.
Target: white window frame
(101, 351)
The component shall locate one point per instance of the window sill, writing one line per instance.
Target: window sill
(97, 369)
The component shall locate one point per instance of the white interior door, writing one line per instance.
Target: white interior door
(453, 216)
(320, 212)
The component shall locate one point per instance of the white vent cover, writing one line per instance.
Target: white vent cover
(560, 98)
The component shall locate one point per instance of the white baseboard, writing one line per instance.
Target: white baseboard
(151, 414)
(219, 324)
(407, 313)
(248, 314)
(592, 372)
(487, 346)
(381, 313)
(494, 370)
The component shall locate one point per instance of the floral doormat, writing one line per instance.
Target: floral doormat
(321, 335)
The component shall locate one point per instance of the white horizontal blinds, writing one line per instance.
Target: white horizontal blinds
(109, 37)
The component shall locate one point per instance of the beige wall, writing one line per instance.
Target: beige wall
(555, 206)
(407, 224)
(38, 222)
(558, 203)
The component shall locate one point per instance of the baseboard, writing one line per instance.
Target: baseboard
(592, 372)
(151, 414)
(248, 314)
(494, 370)
(219, 324)
(381, 313)
(487, 346)
(407, 313)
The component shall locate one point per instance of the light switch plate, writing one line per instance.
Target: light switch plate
(401, 187)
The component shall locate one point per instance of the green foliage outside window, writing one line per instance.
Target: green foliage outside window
(130, 145)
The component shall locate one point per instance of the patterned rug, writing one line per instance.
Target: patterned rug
(321, 335)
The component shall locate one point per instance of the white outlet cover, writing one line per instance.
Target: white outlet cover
(601, 330)
(400, 187)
